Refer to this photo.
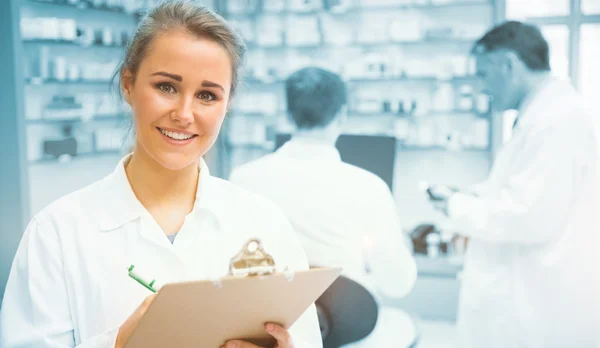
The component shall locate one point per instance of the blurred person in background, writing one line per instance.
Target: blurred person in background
(344, 215)
(531, 275)
(160, 209)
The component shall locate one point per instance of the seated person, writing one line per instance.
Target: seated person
(343, 215)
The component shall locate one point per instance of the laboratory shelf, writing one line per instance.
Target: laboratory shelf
(62, 121)
(427, 79)
(380, 79)
(251, 146)
(39, 82)
(78, 156)
(441, 266)
(361, 9)
(417, 148)
(417, 6)
(82, 6)
(433, 113)
(67, 43)
(363, 45)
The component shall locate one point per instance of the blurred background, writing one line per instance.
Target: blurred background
(413, 99)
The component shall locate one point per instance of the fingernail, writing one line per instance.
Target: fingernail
(231, 344)
(270, 327)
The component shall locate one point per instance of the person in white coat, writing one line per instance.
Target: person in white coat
(344, 215)
(160, 210)
(531, 276)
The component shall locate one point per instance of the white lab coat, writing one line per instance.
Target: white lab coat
(531, 276)
(69, 287)
(344, 215)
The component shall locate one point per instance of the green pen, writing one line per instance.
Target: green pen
(137, 277)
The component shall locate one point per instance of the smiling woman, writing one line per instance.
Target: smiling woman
(68, 286)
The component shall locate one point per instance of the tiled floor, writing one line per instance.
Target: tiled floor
(437, 334)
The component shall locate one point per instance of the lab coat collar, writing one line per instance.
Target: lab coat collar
(123, 206)
(305, 148)
(550, 90)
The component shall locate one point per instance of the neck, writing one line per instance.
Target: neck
(324, 135)
(532, 83)
(148, 180)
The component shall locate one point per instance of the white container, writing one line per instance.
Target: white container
(434, 242)
(60, 68)
(74, 72)
(483, 103)
(68, 29)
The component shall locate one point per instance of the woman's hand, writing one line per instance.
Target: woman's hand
(284, 340)
(132, 322)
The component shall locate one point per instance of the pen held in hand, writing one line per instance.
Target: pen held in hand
(135, 275)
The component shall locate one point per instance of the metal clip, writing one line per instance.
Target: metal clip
(252, 260)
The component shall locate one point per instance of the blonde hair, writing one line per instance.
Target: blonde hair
(188, 15)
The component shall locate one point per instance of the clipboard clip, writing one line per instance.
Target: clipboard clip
(252, 260)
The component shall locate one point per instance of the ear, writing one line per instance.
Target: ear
(126, 84)
(512, 62)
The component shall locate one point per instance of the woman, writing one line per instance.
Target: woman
(160, 209)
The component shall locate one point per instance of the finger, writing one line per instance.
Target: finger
(282, 335)
(239, 344)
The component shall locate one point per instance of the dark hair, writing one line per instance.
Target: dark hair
(525, 40)
(188, 15)
(314, 97)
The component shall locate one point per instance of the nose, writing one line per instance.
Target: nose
(184, 115)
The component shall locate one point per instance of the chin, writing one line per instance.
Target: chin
(177, 161)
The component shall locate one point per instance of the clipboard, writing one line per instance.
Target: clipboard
(208, 313)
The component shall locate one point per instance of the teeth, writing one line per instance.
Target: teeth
(176, 136)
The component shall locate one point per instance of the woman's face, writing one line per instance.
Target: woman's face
(179, 98)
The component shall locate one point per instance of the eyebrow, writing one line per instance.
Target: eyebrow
(212, 84)
(205, 83)
(173, 76)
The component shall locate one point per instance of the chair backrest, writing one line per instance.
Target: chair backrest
(347, 313)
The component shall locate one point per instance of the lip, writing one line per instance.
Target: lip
(177, 131)
(176, 142)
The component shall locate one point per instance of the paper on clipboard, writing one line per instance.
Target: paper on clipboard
(206, 314)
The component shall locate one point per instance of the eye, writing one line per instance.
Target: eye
(207, 96)
(165, 87)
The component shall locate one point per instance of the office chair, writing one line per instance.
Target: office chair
(347, 313)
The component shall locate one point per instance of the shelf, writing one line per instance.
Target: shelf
(428, 79)
(253, 114)
(77, 157)
(67, 43)
(363, 45)
(431, 113)
(441, 6)
(109, 118)
(403, 147)
(362, 9)
(437, 267)
(251, 146)
(83, 7)
(39, 82)
(407, 79)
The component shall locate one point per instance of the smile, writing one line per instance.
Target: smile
(176, 135)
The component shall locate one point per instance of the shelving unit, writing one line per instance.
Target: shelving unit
(83, 5)
(44, 160)
(359, 9)
(68, 43)
(366, 45)
(70, 58)
(406, 83)
(63, 121)
(38, 82)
